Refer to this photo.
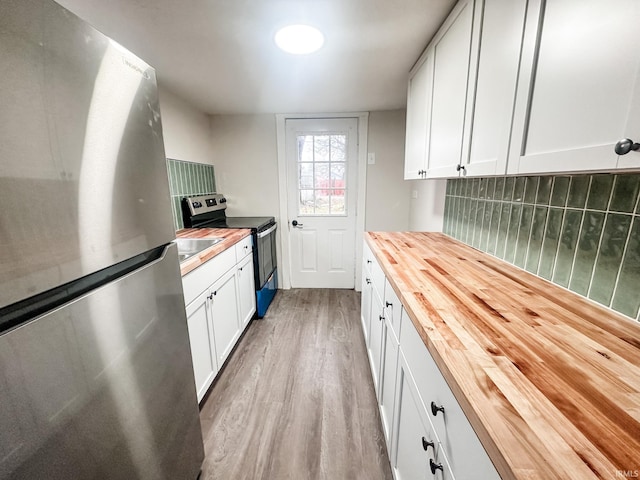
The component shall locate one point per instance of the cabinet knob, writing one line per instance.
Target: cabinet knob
(426, 444)
(368, 281)
(435, 409)
(388, 304)
(380, 317)
(625, 145)
(210, 297)
(459, 167)
(435, 466)
(369, 261)
(422, 172)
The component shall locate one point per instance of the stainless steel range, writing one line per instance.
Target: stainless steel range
(208, 211)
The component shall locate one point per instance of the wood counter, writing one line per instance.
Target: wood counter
(231, 237)
(549, 381)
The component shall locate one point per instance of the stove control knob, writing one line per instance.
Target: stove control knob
(223, 200)
(196, 204)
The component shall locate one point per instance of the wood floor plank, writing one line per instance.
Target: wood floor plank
(296, 399)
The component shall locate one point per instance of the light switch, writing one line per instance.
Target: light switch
(371, 158)
(414, 193)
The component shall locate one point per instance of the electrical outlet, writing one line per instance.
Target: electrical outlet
(371, 158)
(414, 193)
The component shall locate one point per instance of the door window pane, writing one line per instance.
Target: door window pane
(322, 174)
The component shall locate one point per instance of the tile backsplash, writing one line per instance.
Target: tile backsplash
(581, 232)
(185, 179)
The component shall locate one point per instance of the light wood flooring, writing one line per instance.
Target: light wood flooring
(296, 399)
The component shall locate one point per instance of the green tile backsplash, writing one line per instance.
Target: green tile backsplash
(581, 232)
(186, 179)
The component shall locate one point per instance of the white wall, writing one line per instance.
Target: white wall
(426, 212)
(186, 130)
(387, 205)
(246, 163)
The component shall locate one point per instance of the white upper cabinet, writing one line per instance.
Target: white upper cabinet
(496, 48)
(578, 91)
(418, 110)
(451, 54)
(527, 87)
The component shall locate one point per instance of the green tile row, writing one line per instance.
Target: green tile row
(187, 179)
(581, 232)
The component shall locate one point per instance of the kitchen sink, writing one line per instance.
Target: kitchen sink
(188, 247)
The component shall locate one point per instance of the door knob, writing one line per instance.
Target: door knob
(296, 224)
(625, 145)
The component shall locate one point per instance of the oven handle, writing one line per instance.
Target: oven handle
(268, 231)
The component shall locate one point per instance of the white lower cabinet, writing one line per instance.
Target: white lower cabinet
(220, 301)
(465, 453)
(224, 314)
(203, 354)
(417, 455)
(246, 290)
(387, 388)
(428, 435)
(374, 349)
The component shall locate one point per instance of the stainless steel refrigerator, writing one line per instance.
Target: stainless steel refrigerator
(96, 380)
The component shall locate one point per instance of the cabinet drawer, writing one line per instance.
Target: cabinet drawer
(459, 442)
(201, 278)
(243, 248)
(393, 309)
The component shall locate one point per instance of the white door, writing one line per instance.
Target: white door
(322, 158)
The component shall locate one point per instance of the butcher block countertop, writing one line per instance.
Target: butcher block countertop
(549, 381)
(231, 237)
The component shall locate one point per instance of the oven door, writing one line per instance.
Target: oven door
(265, 258)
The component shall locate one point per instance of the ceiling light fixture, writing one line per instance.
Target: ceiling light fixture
(299, 39)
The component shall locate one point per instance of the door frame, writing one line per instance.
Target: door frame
(361, 186)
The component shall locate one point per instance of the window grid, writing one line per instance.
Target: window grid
(322, 173)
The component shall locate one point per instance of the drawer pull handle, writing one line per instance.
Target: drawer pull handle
(388, 304)
(435, 409)
(426, 444)
(435, 466)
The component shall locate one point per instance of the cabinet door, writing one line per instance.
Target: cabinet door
(393, 309)
(578, 89)
(203, 353)
(224, 315)
(416, 444)
(365, 304)
(418, 111)
(388, 379)
(496, 48)
(451, 52)
(375, 339)
(246, 291)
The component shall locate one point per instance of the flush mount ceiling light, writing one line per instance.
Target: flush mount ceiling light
(299, 39)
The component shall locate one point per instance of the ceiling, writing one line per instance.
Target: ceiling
(220, 56)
